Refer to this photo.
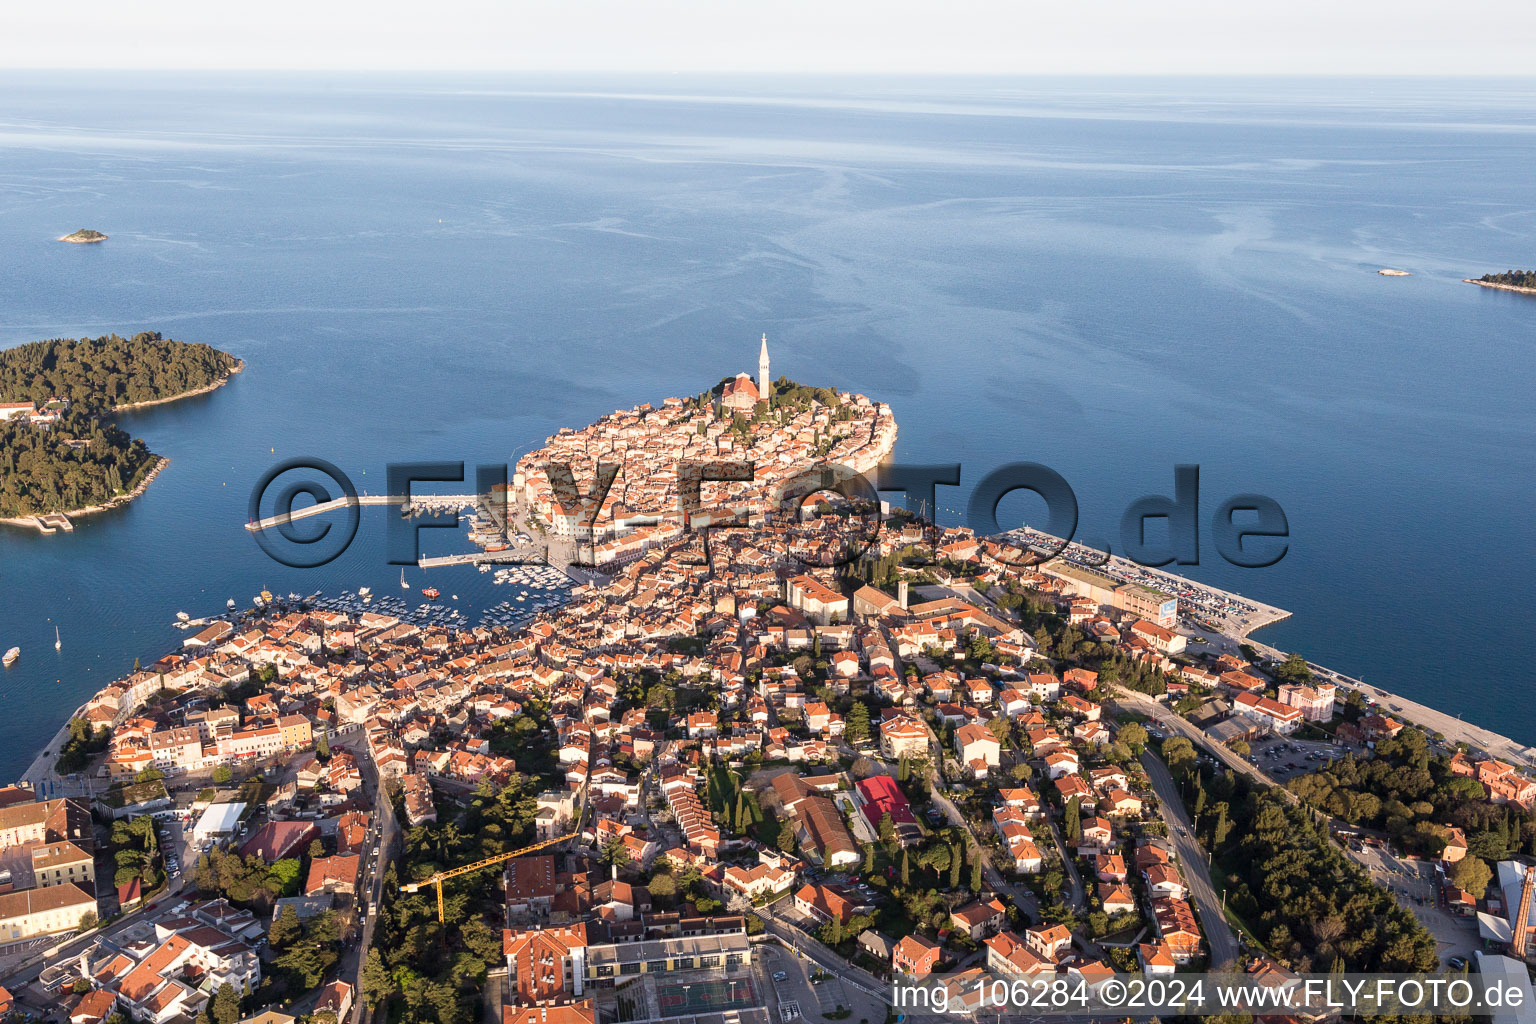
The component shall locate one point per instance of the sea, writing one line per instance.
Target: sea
(1109, 277)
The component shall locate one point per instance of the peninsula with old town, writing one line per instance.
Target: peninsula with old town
(774, 751)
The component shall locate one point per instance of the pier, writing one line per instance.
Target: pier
(424, 503)
(481, 558)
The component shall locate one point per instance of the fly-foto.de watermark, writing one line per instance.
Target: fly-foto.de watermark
(984, 995)
(1248, 530)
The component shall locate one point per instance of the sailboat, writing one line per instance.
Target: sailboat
(57, 643)
(403, 585)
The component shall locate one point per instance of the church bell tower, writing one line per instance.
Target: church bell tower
(763, 380)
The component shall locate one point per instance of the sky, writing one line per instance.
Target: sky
(1330, 37)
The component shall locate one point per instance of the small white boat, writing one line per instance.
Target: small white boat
(403, 585)
(183, 616)
(10, 656)
(230, 604)
(57, 642)
(363, 591)
(455, 596)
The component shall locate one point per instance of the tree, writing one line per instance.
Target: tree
(316, 849)
(226, 1005)
(1072, 821)
(615, 852)
(857, 725)
(887, 828)
(906, 869)
(1222, 828)
(286, 927)
(787, 836)
(1472, 875)
(284, 876)
(222, 775)
(149, 775)
(377, 983)
(322, 746)
(955, 863)
(976, 874)
(1294, 670)
(1133, 735)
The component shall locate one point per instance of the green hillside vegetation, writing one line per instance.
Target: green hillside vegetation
(84, 458)
(1413, 795)
(81, 460)
(1516, 278)
(1311, 908)
(100, 373)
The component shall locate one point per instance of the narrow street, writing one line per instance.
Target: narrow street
(1022, 897)
(385, 835)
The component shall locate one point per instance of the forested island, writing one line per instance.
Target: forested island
(1509, 280)
(69, 455)
(110, 371)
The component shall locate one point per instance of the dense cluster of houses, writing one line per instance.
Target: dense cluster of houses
(741, 627)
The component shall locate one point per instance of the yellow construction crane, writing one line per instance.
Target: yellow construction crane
(442, 876)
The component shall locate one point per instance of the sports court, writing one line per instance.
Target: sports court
(686, 997)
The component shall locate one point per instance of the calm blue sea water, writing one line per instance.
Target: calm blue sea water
(1110, 277)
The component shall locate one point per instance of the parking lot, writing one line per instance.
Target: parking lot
(1416, 887)
(1283, 757)
(799, 987)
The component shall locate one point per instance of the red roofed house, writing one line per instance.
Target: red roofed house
(880, 795)
(333, 874)
(915, 955)
(545, 963)
(278, 839)
(979, 919)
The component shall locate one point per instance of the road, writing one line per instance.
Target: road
(1446, 928)
(1140, 703)
(851, 976)
(385, 834)
(1218, 933)
(1022, 897)
(1451, 726)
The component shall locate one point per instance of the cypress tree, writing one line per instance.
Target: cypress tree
(1073, 821)
(1222, 827)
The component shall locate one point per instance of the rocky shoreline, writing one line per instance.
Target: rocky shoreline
(211, 386)
(1501, 287)
(37, 521)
